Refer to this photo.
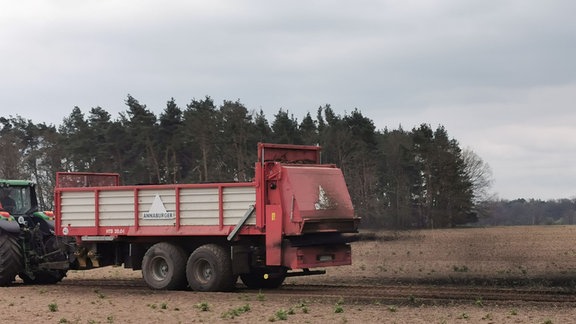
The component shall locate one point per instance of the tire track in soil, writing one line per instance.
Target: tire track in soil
(123, 284)
(401, 293)
(423, 294)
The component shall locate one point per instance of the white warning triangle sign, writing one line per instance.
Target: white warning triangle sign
(158, 210)
(157, 205)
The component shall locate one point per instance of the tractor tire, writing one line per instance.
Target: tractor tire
(44, 277)
(264, 278)
(11, 262)
(209, 268)
(164, 267)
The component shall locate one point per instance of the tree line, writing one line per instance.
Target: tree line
(529, 212)
(419, 178)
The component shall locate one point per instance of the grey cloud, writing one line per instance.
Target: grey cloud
(492, 72)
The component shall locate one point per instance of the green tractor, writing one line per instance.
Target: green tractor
(28, 246)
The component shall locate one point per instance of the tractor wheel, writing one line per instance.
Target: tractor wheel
(44, 277)
(266, 278)
(209, 268)
(164, 267)
(10, 257)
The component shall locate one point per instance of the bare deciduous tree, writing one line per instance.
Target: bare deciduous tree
(479, 173)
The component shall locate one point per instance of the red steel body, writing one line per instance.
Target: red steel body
(294, 197)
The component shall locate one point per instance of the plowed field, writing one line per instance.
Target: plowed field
(481, 275)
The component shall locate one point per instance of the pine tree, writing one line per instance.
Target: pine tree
(285, 129)
(172, 146)
(76, 142)
(201, 130)
(142, 154)
(236, 128)
(309, 131)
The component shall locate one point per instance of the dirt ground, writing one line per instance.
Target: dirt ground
(537, 256)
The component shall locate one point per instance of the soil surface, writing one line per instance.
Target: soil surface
(475, 275)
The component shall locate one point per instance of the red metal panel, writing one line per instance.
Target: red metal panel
(86, 179)
(136, 210)
(220, 206)
(199, 230)
(287, 153)
(314, 193)
(96, 209)
(57, 213)
(317, 256)
(184, 230)
(273, 235)
(159, 187)
(177, 209)
(260, 185)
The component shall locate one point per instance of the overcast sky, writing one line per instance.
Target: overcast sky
(500, 75)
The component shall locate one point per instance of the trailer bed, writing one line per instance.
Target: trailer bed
(179, 210)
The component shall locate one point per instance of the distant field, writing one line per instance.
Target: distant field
(499, 255)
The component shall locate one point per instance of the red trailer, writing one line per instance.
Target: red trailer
(292, 219)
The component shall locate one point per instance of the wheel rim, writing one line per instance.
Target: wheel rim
(160, 268)
(204, 271)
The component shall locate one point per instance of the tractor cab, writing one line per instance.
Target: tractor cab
(17, 197)
(18, 203)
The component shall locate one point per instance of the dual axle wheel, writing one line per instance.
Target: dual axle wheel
(209, 268)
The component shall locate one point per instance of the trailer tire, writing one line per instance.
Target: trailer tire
(266, 278)
(164, 267)
(209, 268)
(10, 257)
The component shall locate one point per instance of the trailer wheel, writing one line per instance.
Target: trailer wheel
(10, 257)
(266, 278)
(164, 267)
(209, 268)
